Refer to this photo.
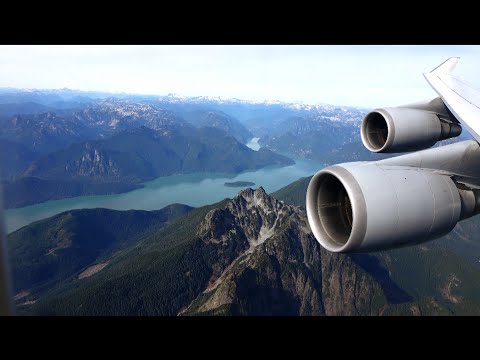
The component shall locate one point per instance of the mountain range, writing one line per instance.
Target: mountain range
(250, 255)
(131, 157)
(219, 120)
(113, 145)
(141, 154)
(109, 145)
(253, 254)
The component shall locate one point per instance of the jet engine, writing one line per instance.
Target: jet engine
(407, 199)
(364, 206)
(408, 128)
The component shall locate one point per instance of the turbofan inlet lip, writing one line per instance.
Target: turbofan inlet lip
(390, 130)
(358, 207)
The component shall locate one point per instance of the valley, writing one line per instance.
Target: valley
(136, 152)
(197, 189)
(248, 255)
(118, 204)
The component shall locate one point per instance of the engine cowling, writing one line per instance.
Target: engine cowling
(356, 207)
(408, 128)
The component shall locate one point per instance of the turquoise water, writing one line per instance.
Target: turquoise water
(193, 189)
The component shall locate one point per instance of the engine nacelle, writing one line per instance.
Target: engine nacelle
(408, 128)
(363, 206)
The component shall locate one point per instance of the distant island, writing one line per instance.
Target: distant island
(239, 184)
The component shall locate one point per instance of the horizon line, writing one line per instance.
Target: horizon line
(176, 95)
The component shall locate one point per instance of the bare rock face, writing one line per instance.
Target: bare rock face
(251, 255)
(277, 267)
(251, 215)
(348, 290)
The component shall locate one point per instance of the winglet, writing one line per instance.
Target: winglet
(447, 66)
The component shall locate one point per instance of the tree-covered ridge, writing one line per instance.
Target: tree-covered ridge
(124, 161)
(52, 250)
(255, 255)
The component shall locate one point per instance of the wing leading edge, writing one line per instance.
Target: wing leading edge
(461, 99)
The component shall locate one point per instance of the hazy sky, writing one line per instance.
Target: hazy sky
(367, 76)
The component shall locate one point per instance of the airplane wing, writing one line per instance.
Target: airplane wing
(460, 98)
(411, 198)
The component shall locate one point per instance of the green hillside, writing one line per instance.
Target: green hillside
(51, 250)
(215, 260)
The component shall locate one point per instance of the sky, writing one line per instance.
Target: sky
(364, 76)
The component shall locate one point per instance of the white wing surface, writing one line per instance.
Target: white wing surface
(460, 98)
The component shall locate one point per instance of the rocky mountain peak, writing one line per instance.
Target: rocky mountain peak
(252, 197)
(250, 218)
(265, 260)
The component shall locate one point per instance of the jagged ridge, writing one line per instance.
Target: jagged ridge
(255, 255)
(281, 268)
